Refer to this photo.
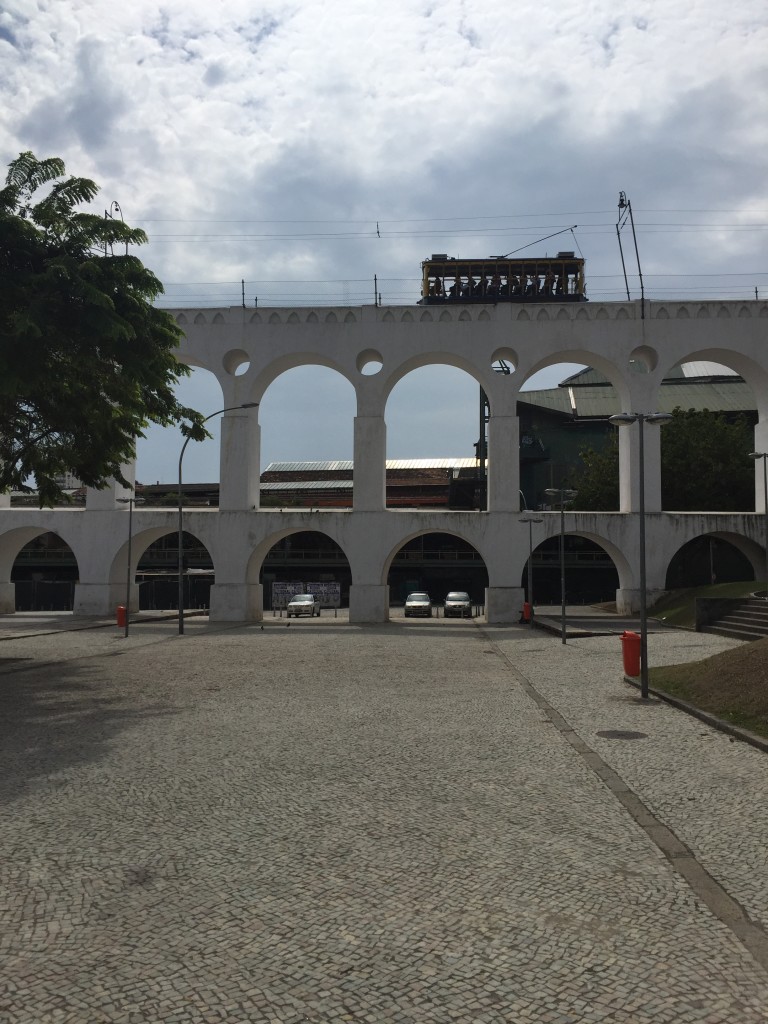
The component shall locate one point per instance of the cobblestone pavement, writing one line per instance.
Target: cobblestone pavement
(329, 823)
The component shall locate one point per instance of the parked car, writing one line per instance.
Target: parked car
(303, 604)
(418, 603)
(458, 603)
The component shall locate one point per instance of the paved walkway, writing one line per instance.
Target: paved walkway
(418, 822)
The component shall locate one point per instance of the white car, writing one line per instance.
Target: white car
(418, 604)
(458, 603)
(303, 604)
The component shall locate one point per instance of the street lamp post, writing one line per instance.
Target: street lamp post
(764, 457)
(563, 494)
(529, 518)
(130, 502)
(624, 419)
(180, 543)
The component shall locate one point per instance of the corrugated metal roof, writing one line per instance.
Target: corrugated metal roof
(589, 376)
(304, 467)
(303, 485)
(732, 395)
(321, 467)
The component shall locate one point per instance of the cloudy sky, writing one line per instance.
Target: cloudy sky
(306, 146)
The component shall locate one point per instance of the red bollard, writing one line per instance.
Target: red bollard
(630, 648)
(526, 611)
(122, 615)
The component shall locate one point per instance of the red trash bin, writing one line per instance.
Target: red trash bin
(122, 614)
(630, 648)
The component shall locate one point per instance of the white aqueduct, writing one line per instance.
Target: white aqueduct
(238, 535)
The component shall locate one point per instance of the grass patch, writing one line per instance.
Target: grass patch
(678, 608)
(732, 685)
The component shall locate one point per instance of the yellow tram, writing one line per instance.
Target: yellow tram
(558, 278)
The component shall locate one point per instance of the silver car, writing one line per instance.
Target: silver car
(418, 603)
(458, 603)
(303, 604)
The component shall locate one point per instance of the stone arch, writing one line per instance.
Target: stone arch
(724, 313)
(692, 562)
(312, 318)
(702, 313)
(181, 319)
(744, 312)
(331, 318)
(255, 319)
(523, 315)
(275, 318)
(14, 542)
(200, 319)
(219, 319)
(389, 317)
(258, 555)
(622, 314)
(625, 572)
(484, 315)
(445, 317)
(662, 313)
(562, 314)
(407, 318)
(426, 317)
(602, 314)
(682, 313)
(542, 314)
(464, 542)
(350, 318)
(464, 315)
(293, 318)
(582, 314)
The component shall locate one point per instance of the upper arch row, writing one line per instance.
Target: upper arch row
(606, 311)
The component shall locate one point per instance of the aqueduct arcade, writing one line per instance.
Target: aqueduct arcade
(374, 347)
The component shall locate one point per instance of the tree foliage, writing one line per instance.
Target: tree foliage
(86, 360)
(705, 466)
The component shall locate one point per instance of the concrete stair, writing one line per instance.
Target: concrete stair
(747, 620)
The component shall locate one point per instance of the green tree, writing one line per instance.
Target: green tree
(86, 360)
(705, 463)
(705, 466)
(597, 484)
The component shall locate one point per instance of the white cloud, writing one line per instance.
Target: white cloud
(266, 141)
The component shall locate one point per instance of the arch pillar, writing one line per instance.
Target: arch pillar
(7, 598)
(99, 599)
(240, 461)
(503, 464)
(106, 499)
(368, 603)
(503, 605)
(761, 445)
(629, 467)
(236, 602)
(370, 466)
